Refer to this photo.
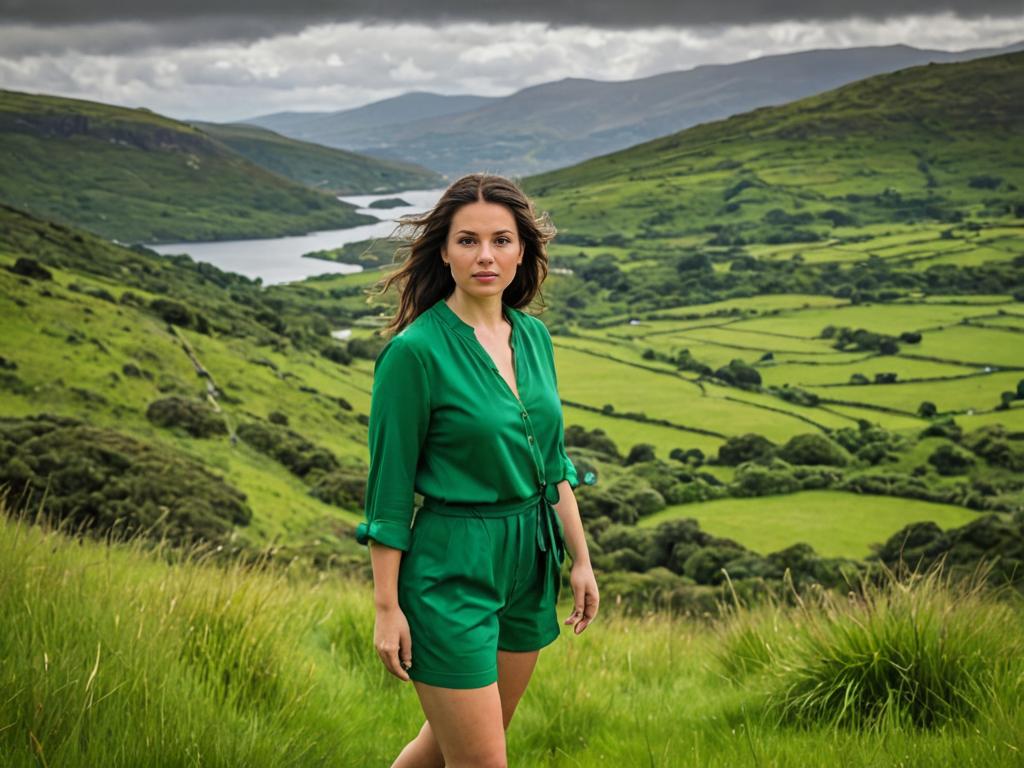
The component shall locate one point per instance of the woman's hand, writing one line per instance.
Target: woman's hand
(392, 640)
(584, 591)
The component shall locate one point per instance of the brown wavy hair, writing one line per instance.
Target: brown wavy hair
(423, 279)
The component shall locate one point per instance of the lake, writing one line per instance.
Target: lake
(279, 259)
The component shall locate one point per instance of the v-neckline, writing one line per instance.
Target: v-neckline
(469, 332)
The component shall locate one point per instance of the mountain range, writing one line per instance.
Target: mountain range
(557, 124)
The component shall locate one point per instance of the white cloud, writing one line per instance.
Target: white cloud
(336, 66)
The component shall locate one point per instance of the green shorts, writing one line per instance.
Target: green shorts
(475, 580)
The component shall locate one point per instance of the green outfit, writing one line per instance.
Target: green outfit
(483, 553)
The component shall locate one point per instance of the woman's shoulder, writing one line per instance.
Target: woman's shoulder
(417, 338)
(531, 324)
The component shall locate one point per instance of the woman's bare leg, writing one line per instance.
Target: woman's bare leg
(467, 724)
(422, 752)
(514, 672)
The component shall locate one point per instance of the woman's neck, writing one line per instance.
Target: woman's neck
(485, 313)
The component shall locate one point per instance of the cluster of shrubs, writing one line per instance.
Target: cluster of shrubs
(994, 538)
(861, 340)
(332, 481)
(196, 417)
(677, 566)
(102, 482)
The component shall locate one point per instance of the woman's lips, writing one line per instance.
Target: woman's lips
(485, 277)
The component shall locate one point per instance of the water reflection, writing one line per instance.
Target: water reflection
(279, 259)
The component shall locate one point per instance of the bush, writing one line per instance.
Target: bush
(105, 482)
(748, 447)
(296, 453)
(194, 416)
(739, 373)
(815, 450)
(951, 460)
(173, 312)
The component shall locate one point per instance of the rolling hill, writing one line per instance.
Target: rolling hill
(556, 124)
(929, 143)
(135, 176)
(312, 165)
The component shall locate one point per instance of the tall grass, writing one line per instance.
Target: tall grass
(905, 650)
(123, 654)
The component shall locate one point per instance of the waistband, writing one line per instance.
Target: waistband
(550, 533)
(495, 509)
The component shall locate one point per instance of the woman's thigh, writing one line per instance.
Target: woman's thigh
(514, 672)
(467, 723)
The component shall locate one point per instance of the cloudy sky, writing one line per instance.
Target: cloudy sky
(213, 60)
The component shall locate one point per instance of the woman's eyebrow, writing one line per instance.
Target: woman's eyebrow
(497, 232)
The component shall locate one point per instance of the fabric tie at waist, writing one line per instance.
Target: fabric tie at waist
(550, 534)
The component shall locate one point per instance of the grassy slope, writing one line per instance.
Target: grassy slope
(333, 170)
(136, 176)
(134, 662)
(947, 122)
(70, 347)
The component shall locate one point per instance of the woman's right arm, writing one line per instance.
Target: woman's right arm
(397, 429)
(391, 635)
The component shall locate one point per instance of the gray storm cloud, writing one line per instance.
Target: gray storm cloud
(269, 16)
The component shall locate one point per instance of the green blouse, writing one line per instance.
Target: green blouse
(445, 424)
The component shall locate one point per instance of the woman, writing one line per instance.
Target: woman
(465, 411)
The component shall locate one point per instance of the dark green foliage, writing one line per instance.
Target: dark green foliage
(638, 453)
(992, 538)
(984, 181)
(106, 482)
(865, 341)
(927, 409)
(594, 439)
(814, 449)
(796, 395)
(748, 447)
(27, 267)
(754, 479)
(686, 362)
(996, 446)
(296, 453)
(739, 373)
(367, 348)
(337, 353)
(194, 416)
(344, 487)
(951, 460)
(944, 427)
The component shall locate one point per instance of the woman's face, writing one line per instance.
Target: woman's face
(483, 248)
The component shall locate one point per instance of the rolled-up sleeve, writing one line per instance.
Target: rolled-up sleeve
(399, 418)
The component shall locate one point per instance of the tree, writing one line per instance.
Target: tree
(927, 409)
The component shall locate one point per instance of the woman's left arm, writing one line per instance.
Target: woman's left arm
(584, 585)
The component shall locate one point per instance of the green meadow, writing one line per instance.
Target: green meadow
(836, 524)
(123, 654)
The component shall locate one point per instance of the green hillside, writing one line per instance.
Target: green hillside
(99, 333)
(332, 170)
(135, 176)
(934, 143)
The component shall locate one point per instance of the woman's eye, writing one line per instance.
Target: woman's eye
(504, 240)
(463, 240)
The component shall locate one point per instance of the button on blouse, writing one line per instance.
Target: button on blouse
(445, 424)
